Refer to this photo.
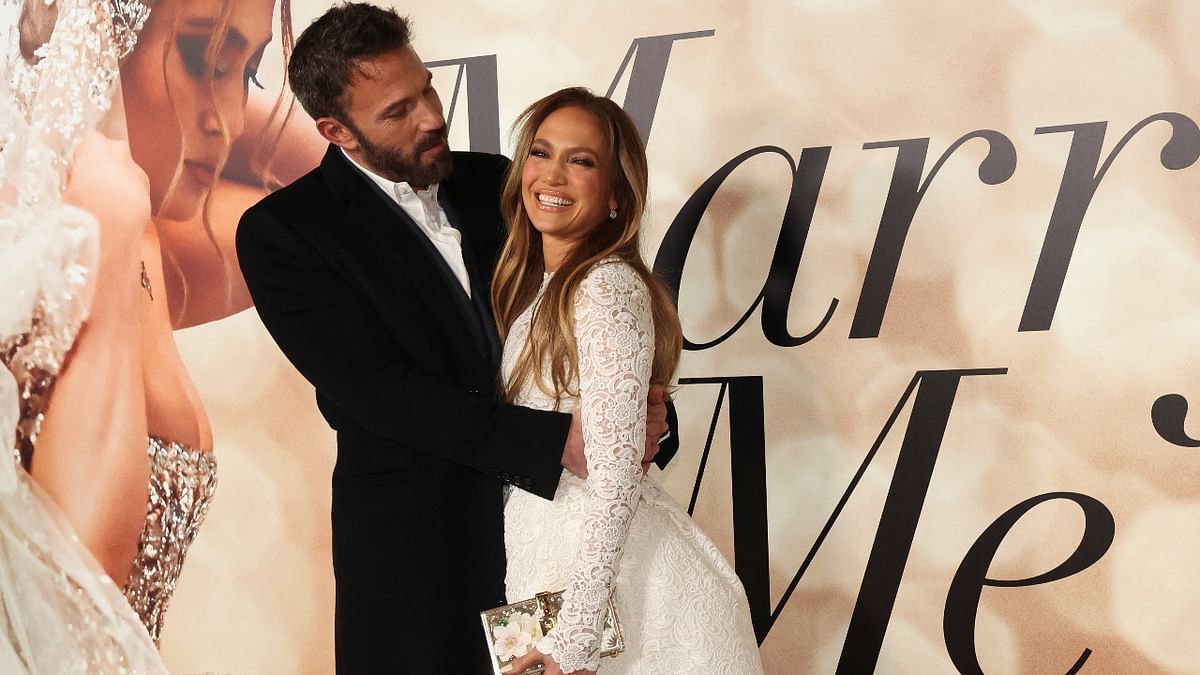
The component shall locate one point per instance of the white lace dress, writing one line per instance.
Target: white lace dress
(682, 608)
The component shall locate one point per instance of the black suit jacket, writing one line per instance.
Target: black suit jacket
(404, 366)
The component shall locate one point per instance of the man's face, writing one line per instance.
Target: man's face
(395, 117)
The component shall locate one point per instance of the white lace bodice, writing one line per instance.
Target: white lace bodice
(614, 331)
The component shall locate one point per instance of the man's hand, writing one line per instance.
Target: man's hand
(656, 423)
(574, 459)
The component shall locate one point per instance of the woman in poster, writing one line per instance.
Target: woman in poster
(116, 222)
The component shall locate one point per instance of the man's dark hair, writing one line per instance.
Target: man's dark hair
(328, 53)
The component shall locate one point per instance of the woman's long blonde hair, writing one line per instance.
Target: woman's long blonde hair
(520, 266)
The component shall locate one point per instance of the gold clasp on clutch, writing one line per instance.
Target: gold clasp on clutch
(549, 611)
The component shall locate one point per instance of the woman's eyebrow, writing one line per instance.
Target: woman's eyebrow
(234, 37)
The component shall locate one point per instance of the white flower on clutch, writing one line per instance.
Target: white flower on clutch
(527, 623)
(511, 641)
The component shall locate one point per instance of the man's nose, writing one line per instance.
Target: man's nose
(430, 118)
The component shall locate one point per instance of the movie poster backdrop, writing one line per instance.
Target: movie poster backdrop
(938, 269)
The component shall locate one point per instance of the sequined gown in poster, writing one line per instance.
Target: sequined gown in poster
(182, 479)
(682, 608)
(59, 613)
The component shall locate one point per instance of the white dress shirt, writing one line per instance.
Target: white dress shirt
(423, 207)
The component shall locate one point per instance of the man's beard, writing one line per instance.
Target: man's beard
(393, 164)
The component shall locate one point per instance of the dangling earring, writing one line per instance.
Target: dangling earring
(612, 214)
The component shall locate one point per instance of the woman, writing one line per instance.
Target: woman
(110, 427)
(586, 324)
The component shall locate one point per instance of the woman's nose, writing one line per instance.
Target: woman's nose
(225, 111)
(554, 173)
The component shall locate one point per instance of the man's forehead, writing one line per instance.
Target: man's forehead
(399, 63)
(369, 69)
(384, 79)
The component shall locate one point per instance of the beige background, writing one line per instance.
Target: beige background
(1072, 414)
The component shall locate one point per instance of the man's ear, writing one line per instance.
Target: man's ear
(335, 132)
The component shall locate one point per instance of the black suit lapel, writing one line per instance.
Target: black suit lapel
(479, 274)
(373, 216)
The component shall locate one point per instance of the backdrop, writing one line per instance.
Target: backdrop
(939, 274)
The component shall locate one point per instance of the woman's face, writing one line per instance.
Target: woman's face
(566, 181)
(185, 97)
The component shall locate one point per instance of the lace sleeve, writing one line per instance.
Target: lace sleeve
(614, 330)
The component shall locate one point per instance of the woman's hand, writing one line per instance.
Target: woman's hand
(534, 657)
(524, 663)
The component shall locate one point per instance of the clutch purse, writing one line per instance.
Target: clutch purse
(513, 630)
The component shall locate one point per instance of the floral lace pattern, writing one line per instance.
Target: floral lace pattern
(49, 247)
(36, 355)
(681, 606)
(61, 96)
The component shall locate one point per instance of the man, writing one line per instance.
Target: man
(372, 274)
